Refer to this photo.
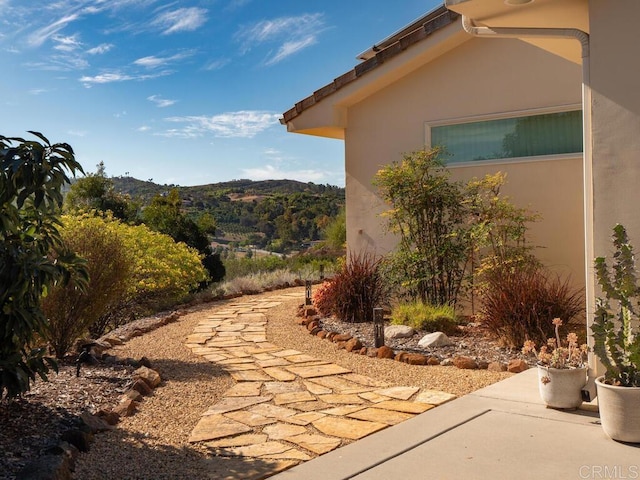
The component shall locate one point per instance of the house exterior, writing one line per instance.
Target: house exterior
(564, 71)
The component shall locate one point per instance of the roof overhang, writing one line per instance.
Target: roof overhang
(409, 50)
(561, 14)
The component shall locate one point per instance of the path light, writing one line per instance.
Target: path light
(307, 293)
(321, 271)
(378, 327)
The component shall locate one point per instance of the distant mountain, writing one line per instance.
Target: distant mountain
(276, 214)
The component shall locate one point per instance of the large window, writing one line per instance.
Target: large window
(525, 136)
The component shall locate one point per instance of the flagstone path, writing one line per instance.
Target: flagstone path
(288, 407)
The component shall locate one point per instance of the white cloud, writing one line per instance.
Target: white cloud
(291, 33)
(217, 64)
(113, 77)
(241, 124)
(269, 172)
(37, 91)
(41, 35)
(100, 49)
(160, 102)
(154, 62)
(182, 19)
(66, 44)
(144, 128)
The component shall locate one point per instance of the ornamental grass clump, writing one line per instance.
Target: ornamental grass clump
(558, 354)
(615, 327)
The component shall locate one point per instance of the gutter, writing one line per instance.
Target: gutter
(589, 392)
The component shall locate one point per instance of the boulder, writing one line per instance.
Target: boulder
(79, 439)
(415, 359)
(126, 406)
(133, 395)
(341, 337)
(95, 423)
(151, 377)
(497, 367)
(363, 351)
(112, 418)
(517, 365)
(446, 362)
(398, 331)
(435, 339)
(313, 324)
(353, 344)
(466, 363)
(142, 387)
(385, 352)
(322, 334)
(433, 361)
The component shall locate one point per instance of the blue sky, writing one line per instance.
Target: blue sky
(185, 92)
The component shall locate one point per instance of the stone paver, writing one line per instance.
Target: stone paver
(284, 397)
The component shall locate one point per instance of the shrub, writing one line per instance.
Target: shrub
(322, 298)
(148, 271)
(356, 289)
(517, 304)
(421, 316)
(71, 311)
(32, 176)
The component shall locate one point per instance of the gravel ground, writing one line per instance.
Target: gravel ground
(152, 444)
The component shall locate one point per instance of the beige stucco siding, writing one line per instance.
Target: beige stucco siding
(480, 77)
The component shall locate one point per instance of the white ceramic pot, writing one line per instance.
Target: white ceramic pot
(564, 386)
(619, 411)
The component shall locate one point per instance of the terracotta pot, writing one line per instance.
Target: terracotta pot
(619, 411)
(564, 388)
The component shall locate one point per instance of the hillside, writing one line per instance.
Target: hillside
(276, 214)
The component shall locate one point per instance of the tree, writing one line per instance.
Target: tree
(428, 214)
(96, 191)
(32, 254)
(335, 232)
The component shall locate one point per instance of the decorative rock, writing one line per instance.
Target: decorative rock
(435, 339)
(55, 467)
(322, 334)
(497, 367)
(142, 387)
(112, 418)
(126, 407)
(353, 344)
(309, 311)
(363, 351)
(447, 362)
(384, 352)
(466, 363)
(79, 439)
(317, 329)
(313, 324)
(95, 423)
(341, 337)
(483, 364)
(517, 365)
(400, 356)
(415, 359)
(134, 395)
(145, 362)
(151, 377)
(433, 361)
(398, 331)
(113, 341)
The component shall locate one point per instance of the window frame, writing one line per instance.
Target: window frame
(428, 125)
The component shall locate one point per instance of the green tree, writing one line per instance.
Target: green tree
(428, 214)
(335, 232)
(96, 191)
(32, 254)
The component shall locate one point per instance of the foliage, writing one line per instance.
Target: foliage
(258, 282)
(71, 311)
(32, 175)
(322, 298)
(556, 354)
(357, 288)
(421, 316)
(278, 215)
(517, 303)
(335, 233)
(497, 229)
(96, 191)
(615, 328)
(428, 215)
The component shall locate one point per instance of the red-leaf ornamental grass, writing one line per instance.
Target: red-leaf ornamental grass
(353, 293)
(517, 304)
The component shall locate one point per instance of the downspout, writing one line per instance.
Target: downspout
(515, 32)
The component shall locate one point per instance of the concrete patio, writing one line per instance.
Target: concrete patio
(503, 431)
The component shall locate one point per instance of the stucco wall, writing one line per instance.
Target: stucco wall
(480, 77)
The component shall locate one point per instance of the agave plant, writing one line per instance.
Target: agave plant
(615, 327)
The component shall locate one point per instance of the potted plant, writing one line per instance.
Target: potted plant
(616, 336)
(562, 369)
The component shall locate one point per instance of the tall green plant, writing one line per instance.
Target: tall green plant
(428, 214)
(615, 328)
(32, 175)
